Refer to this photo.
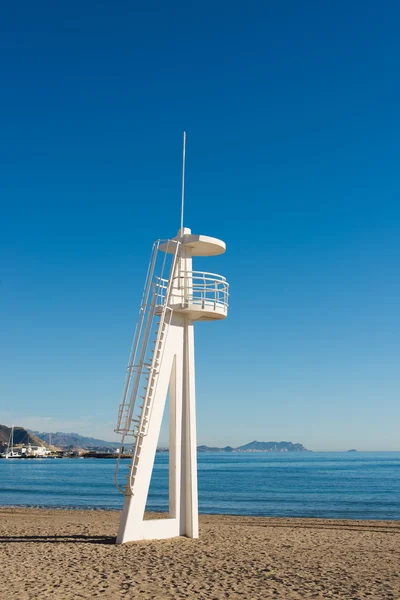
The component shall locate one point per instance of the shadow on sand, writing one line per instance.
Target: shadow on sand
(59, 539)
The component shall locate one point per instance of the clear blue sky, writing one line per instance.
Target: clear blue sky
(292, 114)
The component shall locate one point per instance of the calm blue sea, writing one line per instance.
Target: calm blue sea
(330, 485)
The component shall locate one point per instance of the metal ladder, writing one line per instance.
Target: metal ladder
(145, 359)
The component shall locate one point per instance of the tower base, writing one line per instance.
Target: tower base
(176, 374)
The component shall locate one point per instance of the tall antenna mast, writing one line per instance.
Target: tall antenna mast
(183, 178)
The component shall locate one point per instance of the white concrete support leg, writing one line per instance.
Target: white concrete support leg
(189, 498)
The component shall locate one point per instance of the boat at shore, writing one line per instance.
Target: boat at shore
(10, 452)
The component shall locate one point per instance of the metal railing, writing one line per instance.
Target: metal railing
(195, 288)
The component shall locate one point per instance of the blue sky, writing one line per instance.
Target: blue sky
(291, 110)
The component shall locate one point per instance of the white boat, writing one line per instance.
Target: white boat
(10, 453)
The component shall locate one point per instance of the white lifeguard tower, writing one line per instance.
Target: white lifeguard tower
(162, 359)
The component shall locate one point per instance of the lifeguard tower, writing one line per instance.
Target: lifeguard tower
(162, 358)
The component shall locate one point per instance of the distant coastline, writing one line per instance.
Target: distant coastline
(73, 444)
(258, 447)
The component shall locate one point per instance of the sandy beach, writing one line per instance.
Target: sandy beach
(71, 555)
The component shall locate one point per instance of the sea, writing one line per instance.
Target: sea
(359, 485)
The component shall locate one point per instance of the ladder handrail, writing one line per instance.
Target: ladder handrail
(145, 311)
(139, 351)
(139, 325)
(136, 383)
(150, 393)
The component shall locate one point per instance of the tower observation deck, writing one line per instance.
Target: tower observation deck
(201, 296)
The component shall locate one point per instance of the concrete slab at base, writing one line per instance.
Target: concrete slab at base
(152, 529)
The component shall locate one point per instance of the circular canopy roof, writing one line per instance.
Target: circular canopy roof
(200, 245)
(204, 245)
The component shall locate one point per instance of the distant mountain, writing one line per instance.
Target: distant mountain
(213, 449)
(258, 447)
(74, 440)
(21, 436)
(272, 447)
